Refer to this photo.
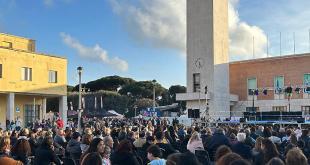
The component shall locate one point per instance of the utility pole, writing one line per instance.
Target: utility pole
(154, 81)
(79, 69)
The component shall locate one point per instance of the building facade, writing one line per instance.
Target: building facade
(207, 58)
(27, 79)
(270, 78)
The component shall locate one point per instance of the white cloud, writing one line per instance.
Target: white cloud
(163, 24)
(95, 53)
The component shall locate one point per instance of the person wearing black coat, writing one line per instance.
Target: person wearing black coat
(216, 141)
(124, 155)
(242, 148)
(45, 155)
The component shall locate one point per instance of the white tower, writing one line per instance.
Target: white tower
(207, 58)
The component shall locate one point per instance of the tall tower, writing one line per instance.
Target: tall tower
(207, 57)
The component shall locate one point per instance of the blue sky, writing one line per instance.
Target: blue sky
(145, 39)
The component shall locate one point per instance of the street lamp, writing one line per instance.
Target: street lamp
(135, 107)
(154, 81)
(80, 69)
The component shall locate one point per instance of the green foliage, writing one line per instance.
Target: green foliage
(131, 93)
(109, 83)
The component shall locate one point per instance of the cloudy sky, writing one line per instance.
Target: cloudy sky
(145, 39)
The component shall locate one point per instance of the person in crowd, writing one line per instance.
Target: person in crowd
(33, 141)
(287, 136)
(73, 147)
(45, 154)
(206, 135)
(96, 145)
(233, 139)
(228, 158)
(220, 152)
(106, 156)
(167, 148)
(242, 148)
(240, 162)
(92, 158)
(13, 137)
(21, 150)
(60, 138)
(5, 150)
(154, 155)
(253, 133)
(295, 156)
(259, 131)
(275, 161)
(195, 143)
(86, 140)
(249, 140)
(124, 154)
(140, 141)
(269, 150)
(257, 152)
(217, 140)
(108, 141)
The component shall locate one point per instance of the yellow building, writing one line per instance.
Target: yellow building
(27, 78)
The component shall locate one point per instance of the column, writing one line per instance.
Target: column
(43, 116)
(63, 109)
(10, 106)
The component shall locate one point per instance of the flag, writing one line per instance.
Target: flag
(101, 103)
(95, 102)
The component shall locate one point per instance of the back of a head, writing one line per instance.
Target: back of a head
(241, 137)
(228, 158)
(275, 161)
(158, 135)
(174, 159)
(296, 156)
(154, 150)
(92, 158)
(240, 162)
(188, 158)
(221, 151)
(125, 146)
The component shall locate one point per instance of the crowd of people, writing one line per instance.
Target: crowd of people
(153, 142)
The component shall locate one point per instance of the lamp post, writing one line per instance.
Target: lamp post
(80, 69)
(154, 81)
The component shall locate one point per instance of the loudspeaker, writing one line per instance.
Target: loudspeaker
(190, 113)
(242, 120)
(196, 113)
(301, 120)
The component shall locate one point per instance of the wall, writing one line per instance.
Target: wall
(292, 68)
(18, 43)
(13, 60)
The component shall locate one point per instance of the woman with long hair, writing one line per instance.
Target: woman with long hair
(257, 152)
(5, 152)
(269, 150)
(96, 145)
(124, 154)
(195, 143)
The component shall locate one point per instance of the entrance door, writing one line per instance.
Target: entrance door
(31, 115)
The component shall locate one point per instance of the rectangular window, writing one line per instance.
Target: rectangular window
(279, 108)
(307, 83)
(6, 44)
(0, 70)
(279, 84)
(31, 114)
(252, 85)
(196, 85)
(305, 110)
(52, 76)
(26, 74)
